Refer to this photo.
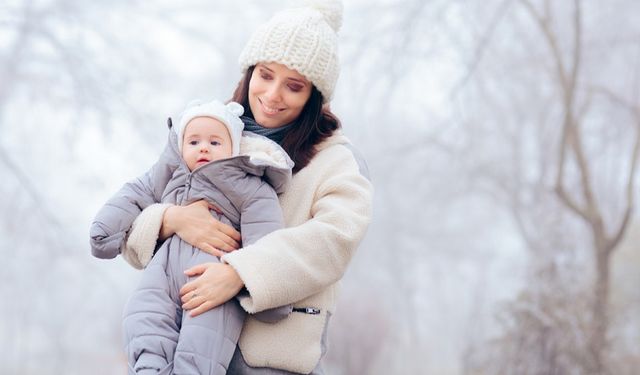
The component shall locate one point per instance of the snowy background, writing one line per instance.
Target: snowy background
(471, 115)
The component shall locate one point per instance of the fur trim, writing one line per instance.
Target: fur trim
(141, 242)
(264, 152)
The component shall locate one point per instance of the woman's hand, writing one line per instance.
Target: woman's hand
(218, 283)
(195, 225)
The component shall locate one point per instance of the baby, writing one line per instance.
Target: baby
(208, 157)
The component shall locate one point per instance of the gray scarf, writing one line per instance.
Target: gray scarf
(274, 134)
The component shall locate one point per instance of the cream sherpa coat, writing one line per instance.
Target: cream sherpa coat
(327, 209)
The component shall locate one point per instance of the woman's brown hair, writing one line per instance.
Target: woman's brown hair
(314, 124)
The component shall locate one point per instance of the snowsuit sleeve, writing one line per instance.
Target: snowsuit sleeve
(111, 225)
(260, 216)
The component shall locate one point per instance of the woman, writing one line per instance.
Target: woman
(291, 67)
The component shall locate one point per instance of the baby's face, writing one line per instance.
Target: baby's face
(205, 139)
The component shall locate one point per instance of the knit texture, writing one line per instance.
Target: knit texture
(303, 38)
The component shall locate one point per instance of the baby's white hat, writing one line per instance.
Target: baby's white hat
(229, 114)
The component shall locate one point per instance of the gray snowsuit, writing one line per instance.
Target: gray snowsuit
(158, 335)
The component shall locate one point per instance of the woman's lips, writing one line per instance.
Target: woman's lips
(269, 111)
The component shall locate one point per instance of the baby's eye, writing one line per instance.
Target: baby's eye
(193, 143)
(215, 143)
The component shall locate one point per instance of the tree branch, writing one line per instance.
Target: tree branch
(482, 46)
(592, 205)
(635, 110)
(543, 23)
(619, 233)
(570, 133)
(28, 188)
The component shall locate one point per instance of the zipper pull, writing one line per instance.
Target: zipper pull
(307, 310)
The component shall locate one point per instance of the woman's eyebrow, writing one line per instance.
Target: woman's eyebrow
(265, 67)
(300, 80)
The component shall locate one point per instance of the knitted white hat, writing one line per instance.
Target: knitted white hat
(302, 38)
(228, 114)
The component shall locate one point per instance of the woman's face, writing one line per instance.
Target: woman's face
(277, 94)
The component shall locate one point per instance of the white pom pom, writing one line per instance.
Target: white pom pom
(330, 9)
(235, 108)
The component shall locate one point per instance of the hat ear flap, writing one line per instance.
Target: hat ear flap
(235, 108)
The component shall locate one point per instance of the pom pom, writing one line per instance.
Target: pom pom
(331, 11)
(235, 108)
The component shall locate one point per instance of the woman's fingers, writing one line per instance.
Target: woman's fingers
(224, 246)
(224, 242)
(196, 270)
(202, 203)
(190, 301)
(214, 238)
(186, 289)
(231, 235)
(205, 306)
(198, 227)
(200, 303)
(189, 296)
(227, 243)
(211, 250)
(215, 286)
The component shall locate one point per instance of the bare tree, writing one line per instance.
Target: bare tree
(606, 235)
(567, 189)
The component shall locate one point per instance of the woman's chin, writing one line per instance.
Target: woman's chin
(269, 121)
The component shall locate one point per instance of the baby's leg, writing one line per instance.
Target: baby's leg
(207, 341)
(151, 321)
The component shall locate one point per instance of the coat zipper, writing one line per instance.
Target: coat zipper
(307, 310)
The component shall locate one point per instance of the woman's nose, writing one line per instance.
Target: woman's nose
(273, 93)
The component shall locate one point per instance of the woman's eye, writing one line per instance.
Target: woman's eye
(295, 88)
(265, 76)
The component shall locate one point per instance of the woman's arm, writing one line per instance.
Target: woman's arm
(293, 263)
